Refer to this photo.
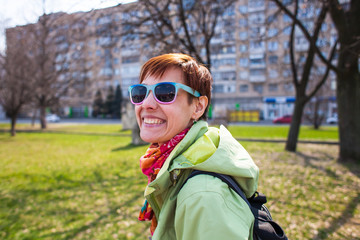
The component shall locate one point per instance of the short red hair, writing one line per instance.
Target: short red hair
(196, 75)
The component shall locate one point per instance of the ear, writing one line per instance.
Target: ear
(200, 106)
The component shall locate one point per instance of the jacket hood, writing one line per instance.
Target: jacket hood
(215, 150)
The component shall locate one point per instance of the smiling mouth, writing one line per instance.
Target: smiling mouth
(153, 121)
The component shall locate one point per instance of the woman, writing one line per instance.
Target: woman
(171, 104)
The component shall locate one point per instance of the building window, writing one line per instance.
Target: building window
(321, 42)
(243, 35)
(230, 11)
(256, 3)
(286, 18)
(242, 22)
(229, 36)
(218, 88)
(103, 20)
(257, 61)
(106, 72)
(287, 59)
(257, 72)
(130, 70)
(257, 45)
(243, 62)
(272, 32)
(224, 62)
(130, 59)
(257, 32)
(244, 88)
(273, 87)
(244, 75)
(324, 27)
(258, 88)
(286, 44)
(224, 76)
(286, 73)
(228, 49)
(289, 87)
(272, 5)
(257, 18)
(243, 9)
(273, 59)
(273, 73)
(273, 46)
(243, 48)
(229, 88)
(287, 30)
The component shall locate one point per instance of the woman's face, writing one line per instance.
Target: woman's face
(160, 122)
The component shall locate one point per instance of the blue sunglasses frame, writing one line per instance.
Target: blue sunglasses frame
(153, 89)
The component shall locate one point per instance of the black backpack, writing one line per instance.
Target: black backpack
(264, 227)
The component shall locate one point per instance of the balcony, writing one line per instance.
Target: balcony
(257, 78)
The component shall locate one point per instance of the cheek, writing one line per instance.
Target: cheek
(137, 113)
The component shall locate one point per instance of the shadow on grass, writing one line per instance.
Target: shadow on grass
(53, 200)
(354, 168)
(336, 223)
(118, 134)
(113, 211)
(130, 146)
(325, 157)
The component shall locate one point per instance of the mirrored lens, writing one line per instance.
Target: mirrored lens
(165, 92)
(138, 94)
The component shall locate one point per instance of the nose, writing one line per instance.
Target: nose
(149, 101)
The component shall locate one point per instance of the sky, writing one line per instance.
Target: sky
(22, 12)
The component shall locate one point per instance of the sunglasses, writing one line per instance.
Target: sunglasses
(164, 92)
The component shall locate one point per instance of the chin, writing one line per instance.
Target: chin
(149, 139)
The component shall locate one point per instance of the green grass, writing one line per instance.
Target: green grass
(84, 182)
(280, 132)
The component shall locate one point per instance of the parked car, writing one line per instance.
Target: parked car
(332, 120)
(52, 118)
(283, 119)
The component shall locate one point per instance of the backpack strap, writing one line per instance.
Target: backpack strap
(225, 178)
(264, 226)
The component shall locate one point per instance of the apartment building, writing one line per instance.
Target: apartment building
(250, 56)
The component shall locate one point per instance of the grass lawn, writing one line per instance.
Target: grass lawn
(84, 182)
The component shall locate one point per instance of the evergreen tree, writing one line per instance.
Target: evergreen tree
(98, 104)
(117, 102)
(110, 98)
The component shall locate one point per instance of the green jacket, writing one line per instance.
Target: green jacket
(205, 208)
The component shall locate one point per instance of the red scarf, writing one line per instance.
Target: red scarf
(150, 165)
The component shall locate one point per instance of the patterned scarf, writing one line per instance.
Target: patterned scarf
(150, 165)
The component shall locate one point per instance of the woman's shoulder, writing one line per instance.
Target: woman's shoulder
(206, 188)
(204, 195)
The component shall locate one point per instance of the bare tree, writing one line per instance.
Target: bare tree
(55, 54)
(16, 86)
(345, 16)
(302, 76)
(176, 25)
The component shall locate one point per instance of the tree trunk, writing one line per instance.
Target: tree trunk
(348, 101)
(295, 126)
(317, 117)
(33, 119)
(13, 124)
(136, 139)
(42, 117)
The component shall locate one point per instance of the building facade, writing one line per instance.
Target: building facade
(249, 54)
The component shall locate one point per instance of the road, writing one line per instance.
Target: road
(70, 120)
(118, 121)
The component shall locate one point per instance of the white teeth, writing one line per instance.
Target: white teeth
(152, 121)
